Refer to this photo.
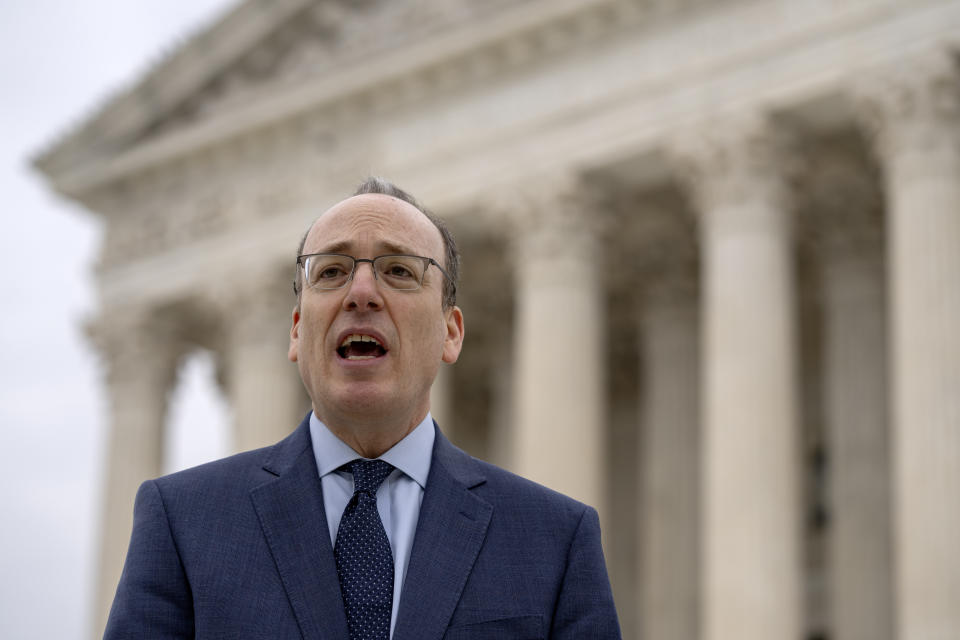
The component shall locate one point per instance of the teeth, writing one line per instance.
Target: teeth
(356, 337)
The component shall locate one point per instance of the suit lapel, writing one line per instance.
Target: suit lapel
(450, 531)
(294, 523)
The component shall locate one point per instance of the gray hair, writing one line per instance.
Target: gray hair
(451, 256)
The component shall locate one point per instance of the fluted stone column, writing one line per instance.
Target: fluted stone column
(657, 267)
(844, 209)
(559, 420)
(916, 107)
(141, 352)
(670, 465)
(751, 550)
(266, 395)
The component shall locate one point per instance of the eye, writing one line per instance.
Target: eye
(330, 271)
(398, 270)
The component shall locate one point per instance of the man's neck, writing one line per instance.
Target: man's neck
(370, 437)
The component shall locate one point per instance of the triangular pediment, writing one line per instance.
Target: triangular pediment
(324, 36)
(250, 50)
(130, 115)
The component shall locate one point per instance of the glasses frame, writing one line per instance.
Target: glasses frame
(426, 265)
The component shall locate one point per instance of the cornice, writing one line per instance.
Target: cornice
(518, 34)
(184, 71)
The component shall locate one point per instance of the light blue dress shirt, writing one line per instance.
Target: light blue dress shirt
(398, 498)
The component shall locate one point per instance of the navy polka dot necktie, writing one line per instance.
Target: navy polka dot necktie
(364, 559)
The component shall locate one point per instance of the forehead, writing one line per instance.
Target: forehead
(374, 222)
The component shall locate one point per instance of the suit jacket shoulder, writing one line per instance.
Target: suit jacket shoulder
(225, 550)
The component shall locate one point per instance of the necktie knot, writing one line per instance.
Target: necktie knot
(368, 475)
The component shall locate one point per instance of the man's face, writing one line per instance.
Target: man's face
(413, 330)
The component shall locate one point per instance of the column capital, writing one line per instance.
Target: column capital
(257, 304)
(731, 160)
(912, 104)
(136, 344)
(551, 215)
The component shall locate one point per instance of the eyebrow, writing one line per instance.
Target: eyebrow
(389, 247)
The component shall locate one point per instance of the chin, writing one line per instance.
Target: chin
(362, 398)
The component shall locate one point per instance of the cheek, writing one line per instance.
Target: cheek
(437, 336)
(311, 336)
(316, 317)
(426, 338)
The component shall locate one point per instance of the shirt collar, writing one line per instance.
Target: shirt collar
(411, 455)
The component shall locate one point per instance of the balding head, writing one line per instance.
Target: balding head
(451, 255)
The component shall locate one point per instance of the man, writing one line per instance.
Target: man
(365, 522)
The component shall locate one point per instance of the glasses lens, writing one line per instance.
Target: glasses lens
(400, 272)
(327, 271)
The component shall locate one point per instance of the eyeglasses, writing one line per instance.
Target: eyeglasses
(336, 270)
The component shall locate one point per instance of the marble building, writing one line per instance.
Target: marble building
(711, 272)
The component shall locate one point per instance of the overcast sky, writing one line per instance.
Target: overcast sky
(59, 60)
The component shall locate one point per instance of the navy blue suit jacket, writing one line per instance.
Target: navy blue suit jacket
(240, 548)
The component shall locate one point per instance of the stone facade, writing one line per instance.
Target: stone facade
(711, 267)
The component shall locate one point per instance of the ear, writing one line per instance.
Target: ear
(454, 340)
(294, 334)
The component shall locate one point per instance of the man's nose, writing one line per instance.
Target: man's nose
(363, 290)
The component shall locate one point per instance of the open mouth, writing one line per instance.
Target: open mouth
(360, 347)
